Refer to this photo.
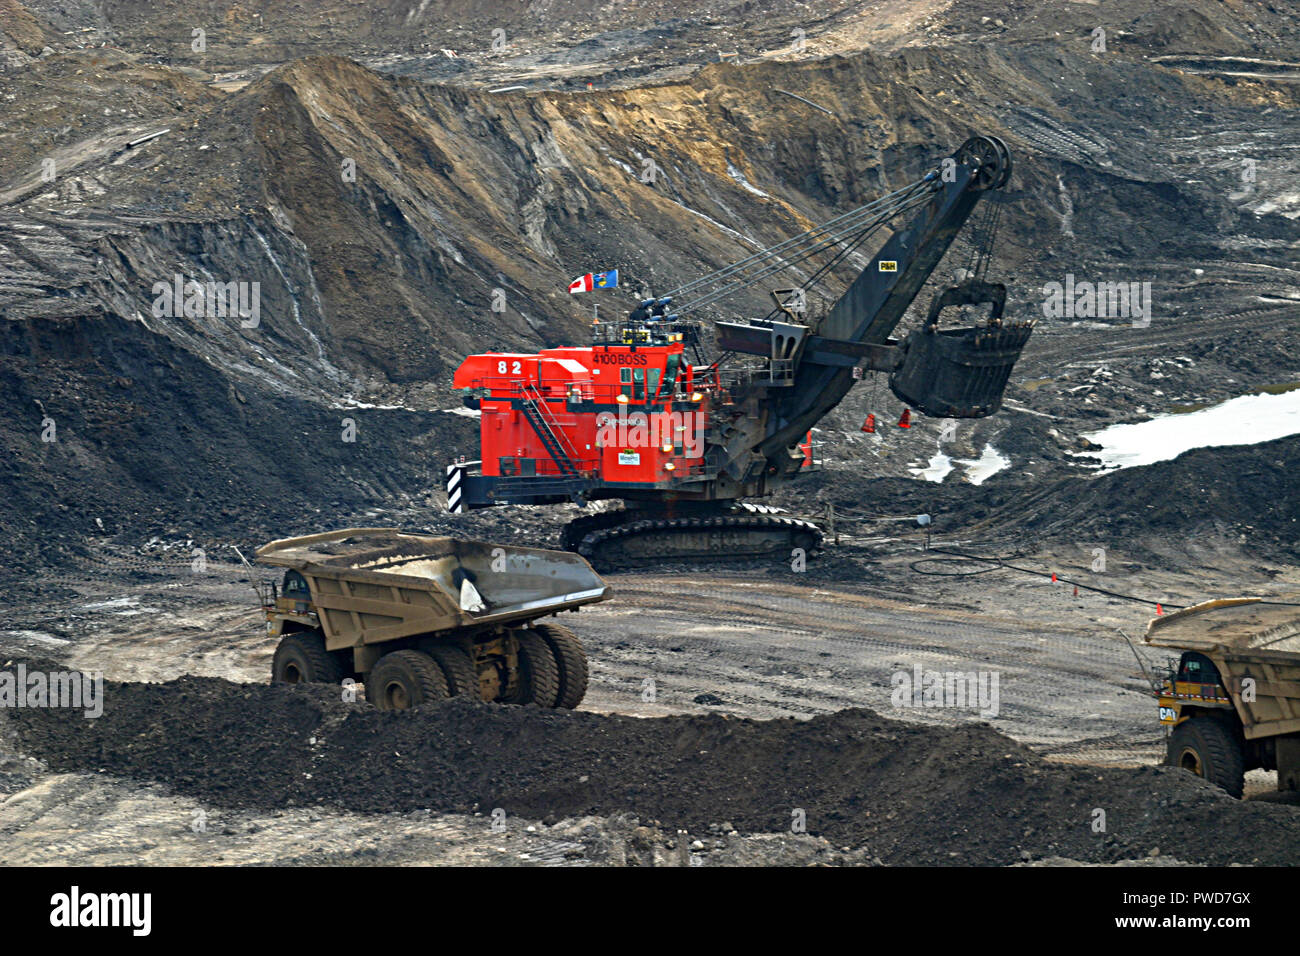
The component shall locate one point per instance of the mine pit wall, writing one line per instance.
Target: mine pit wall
(150, 438)
(285, 342)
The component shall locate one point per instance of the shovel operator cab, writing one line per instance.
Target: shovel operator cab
(561, 413)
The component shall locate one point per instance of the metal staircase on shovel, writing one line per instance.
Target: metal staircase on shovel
(536, 412)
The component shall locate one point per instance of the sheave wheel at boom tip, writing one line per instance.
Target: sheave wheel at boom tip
(992, 159)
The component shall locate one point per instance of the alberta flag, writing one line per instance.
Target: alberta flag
(595, 280)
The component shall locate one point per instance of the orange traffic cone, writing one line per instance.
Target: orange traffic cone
(1159, 610)
(906, 420)
(870, 424)
(1053, 577)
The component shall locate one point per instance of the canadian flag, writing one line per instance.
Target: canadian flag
(581, 284)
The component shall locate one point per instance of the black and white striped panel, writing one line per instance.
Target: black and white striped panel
(455, 475)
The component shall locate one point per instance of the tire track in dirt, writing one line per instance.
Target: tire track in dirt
(783, 649)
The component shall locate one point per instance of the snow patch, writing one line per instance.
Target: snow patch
(989, 463)
(1247, 420)
(122, 602)
(977, 470)
(347, 401)
(741, 178)
(727, 229)
(38, 638)
(939, 468)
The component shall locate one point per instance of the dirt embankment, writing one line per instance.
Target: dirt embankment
(1244, 495)
(910, 794)
(135, 434)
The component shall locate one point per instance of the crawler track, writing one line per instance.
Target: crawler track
(741, 536)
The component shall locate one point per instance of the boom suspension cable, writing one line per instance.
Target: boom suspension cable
(859, 230)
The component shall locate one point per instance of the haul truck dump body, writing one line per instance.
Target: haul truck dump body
(419, 617)
(1233, 697)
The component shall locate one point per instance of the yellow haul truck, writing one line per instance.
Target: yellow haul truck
(1232, 698)
(421, 618)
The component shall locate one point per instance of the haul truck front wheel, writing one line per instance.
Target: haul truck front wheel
(302, 659)
(1207, 748)
(405, 679)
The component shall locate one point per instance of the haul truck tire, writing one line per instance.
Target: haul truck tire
(572, 662)
(539, 674)
(1207, 748)
(401, 680)
(301, 658)
(458, 668)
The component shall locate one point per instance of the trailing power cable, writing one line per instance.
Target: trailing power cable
(1000, 563)
(1004, 563)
